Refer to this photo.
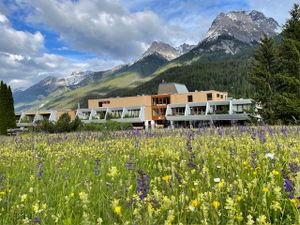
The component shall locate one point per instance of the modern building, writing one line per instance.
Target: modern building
(172, 106)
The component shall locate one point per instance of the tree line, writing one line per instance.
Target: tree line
(275, 74)
(7, 111)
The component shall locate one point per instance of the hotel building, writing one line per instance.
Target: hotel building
(172, 106)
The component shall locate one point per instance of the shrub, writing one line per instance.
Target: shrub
(108, 126)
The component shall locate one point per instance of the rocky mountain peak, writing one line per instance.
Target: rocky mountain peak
(164, 49)
(242, 25)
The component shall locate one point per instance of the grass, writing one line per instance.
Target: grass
(238, 175)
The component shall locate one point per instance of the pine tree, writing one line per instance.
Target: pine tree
(2, 109)
(262, 76)
(289, 76)
(11, 109)
(7, 114)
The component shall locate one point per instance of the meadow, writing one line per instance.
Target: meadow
(235, 175)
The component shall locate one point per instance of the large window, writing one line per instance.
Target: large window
(161, 101)
(115, 114)
(241, 108)
(209, 96)
(132, 113)
(159, 112)
(219, 109)
(198, 110)
(178, 111)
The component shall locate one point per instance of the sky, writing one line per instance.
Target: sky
(39, 38)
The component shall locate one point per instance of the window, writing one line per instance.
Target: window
(218, 95)
(100, 104)
(190, 98)
(221, 96)
(209, 96)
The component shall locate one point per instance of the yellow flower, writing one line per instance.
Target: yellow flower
(275, 172)
(113, 172)
(238, 198)
(166, 178)
(265, 190)
(118, 210)
(194, 203)
(24, 197)
(216, 204)
(294, 201)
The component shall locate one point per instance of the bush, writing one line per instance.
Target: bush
(108, 126)
(63, 124)
(45, 126)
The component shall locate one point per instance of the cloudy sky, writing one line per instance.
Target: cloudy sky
(42, 37)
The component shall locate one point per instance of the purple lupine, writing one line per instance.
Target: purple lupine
(39, 173)
(294, 167)
(1, 178)
(143, 184)
(262, 136)
(96, 167)
(288, 185)
(36, 219)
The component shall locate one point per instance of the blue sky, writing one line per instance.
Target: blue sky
(57, 37)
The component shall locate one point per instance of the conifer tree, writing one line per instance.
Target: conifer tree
(263, 78)
(7, 114)
(2, 109)
(289, 76)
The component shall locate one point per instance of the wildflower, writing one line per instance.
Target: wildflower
(31, 190)
(24, 197)
(270, 156)
(216, 204)
(261, 219)
(96, 168)
(194, 203)
(238, 198)
(275, 172)
(39, 173)
(293, 201)
(118, 210)
(36, 219)
(166, 178)
(26, 220)
(143, 184)
(265, 190)
(288, 185)
(217, 180)
(83, 197)
(113, 172)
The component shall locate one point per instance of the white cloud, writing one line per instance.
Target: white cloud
(24, 60)
(103, 27)
(16, 42)
(277, 9)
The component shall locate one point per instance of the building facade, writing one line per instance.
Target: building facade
(172, 106)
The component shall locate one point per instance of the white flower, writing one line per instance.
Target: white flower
(270, 155)
(219, 167)
(217, 180)
(191, 208)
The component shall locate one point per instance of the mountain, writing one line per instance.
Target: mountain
(164, 49)
(246, 27)
(48, 85)
(76, 77)
(219, 61)
(184, 48)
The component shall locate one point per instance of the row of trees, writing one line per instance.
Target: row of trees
(276, 74)
(7, 112)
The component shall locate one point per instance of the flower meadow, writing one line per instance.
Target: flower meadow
(234, 175)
